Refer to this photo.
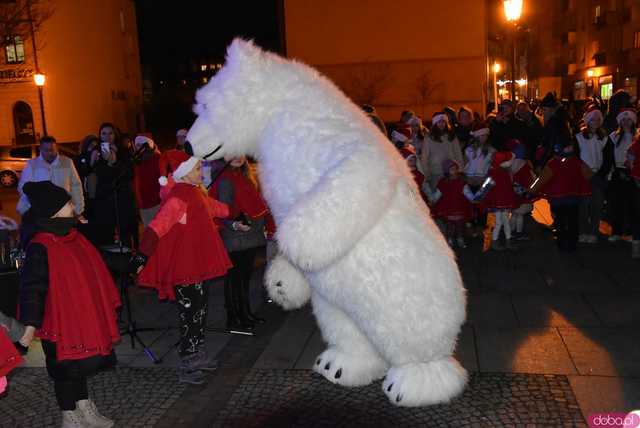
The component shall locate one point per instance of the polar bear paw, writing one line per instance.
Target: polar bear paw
(424, 384)
(348, 370)
(286, 285)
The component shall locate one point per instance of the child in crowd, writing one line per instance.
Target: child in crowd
(523, 176)
(565, 182)
(501, 199)
(68, 300)
(592, 140)
(621, 185)
(478, 156)
(452, 203)
(180, 253)
(248, 228)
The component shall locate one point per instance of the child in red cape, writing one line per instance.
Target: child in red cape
(10, 331)
(453, 203)
(180, 253)
(68, 300)
(501, 199)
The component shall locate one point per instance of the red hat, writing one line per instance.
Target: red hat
(512, 144)
(500, 157)
(180, 163)
(405, 152)
(480, 128)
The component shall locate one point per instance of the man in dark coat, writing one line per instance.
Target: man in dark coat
(556, 127)
(532, 131)
(506, 126)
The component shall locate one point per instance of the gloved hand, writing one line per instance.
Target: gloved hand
(240, 226)
(137, 263)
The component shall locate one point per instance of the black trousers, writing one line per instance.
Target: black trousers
(192, 311)
(70, 376)
(237, 281)
(620, 196)
(566, 220)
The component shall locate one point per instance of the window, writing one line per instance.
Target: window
(203, 67)
(598, 11)
(606, 87)
(636, 40)
(21, 153)
(14, 50)
(580, 90)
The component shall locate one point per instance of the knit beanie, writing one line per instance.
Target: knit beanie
(46, 198)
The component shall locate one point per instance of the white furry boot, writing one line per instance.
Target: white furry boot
(92, 416)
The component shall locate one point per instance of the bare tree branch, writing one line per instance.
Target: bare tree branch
(14, 17)
(366, 82)
(425, 86)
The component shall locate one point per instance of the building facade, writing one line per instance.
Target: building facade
(88, 53)
(408, 54)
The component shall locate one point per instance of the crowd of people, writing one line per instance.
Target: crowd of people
(199, 222)
(484, 175)
(202, 221)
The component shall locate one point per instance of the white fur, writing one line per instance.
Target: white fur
(384, 285)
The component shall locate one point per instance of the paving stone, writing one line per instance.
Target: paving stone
(130, 396)
(616, 310)
(554, 310)
(604, 351)
(524, 350)
(298, 398)
(490, 309)
(600, 394)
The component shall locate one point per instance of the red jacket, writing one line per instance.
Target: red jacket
(9, 356)
(501, 196)
(146, 184)
(634, 159)
(568, 179)
(524, 177)
(182, 242)
(81, 302)
(453, 204)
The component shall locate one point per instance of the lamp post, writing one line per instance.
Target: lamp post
(496, 70)
(39, 79)
(512, 12)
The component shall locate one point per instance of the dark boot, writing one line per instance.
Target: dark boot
(246, 303)
(233, 321)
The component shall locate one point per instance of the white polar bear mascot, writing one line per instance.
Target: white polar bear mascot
(353, 234)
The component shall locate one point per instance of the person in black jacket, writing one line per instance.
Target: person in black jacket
(68, 300)
(532, 129)
(506, 126)
(556, 129)
(114, 176)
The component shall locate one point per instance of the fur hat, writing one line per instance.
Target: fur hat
(46, 198)
(627, 112)
(180, 163)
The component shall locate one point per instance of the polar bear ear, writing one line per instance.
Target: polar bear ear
(242, 51)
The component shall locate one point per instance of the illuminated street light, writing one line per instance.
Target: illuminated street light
(512, 12)
(512, 9)
(39, 79)
(590, 72)
(496, 67)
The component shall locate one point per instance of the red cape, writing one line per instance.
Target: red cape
(80, 308)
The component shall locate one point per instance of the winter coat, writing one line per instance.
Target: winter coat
(502, 132)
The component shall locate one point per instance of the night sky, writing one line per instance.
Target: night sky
(172, 33)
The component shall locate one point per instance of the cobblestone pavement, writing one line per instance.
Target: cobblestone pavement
(299, 398)
(133, 397)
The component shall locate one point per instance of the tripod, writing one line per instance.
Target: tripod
(131, 329)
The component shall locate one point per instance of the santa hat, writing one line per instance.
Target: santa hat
(501, 157)
(180, 163)
(627, 113)
(141, 140)
(480, 129)
(592, 114)
(401, 135)
(438, 116)
(447, 164)
(182, 132)
(517, 148)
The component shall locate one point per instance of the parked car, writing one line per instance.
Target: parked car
(13, 160)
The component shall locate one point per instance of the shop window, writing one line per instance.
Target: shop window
(580, 90)
(14, 50)
(606, 87)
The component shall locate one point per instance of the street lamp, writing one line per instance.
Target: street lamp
(512, 12)
(39, 80)
(496, 70)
